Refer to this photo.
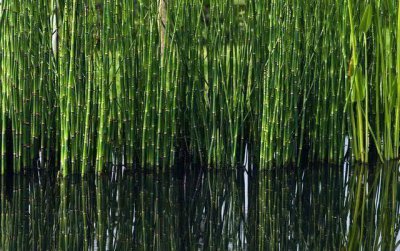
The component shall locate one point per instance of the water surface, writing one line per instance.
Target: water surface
(314, 208)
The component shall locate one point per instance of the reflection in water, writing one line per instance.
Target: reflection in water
(318, 208)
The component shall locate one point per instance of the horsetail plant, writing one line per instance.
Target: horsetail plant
(86, 84)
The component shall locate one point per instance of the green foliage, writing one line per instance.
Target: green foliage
(366, 19)
(89, 83)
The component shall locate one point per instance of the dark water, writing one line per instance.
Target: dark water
(317, 208)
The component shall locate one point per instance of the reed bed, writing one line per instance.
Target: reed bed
(85, 84)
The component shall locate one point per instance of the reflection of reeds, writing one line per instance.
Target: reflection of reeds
(374, 209)
(216, 212)
(311, 209)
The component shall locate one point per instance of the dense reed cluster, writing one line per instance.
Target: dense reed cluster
(147, 82)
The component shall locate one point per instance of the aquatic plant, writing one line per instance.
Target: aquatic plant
(86, 84)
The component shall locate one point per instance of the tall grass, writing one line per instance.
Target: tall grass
(373, 84)
(28, 86)
(148, 83)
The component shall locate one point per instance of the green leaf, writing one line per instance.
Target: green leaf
(366, 20)
(358, 86)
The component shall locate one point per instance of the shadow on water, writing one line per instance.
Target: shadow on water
(317, 208)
